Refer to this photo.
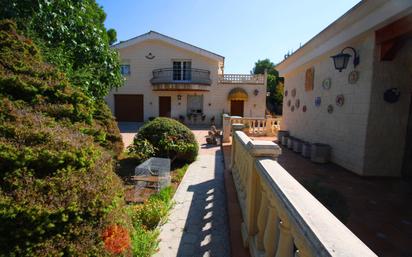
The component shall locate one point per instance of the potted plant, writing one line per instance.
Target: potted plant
(203, 117)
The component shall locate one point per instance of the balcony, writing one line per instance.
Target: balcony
(169, 79)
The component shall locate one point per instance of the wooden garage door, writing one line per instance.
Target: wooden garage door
(128, 107)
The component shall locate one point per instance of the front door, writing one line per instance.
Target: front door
(165, 106)
(236, 108)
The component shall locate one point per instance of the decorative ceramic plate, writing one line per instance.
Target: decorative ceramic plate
(304, 108)
(293, 92)
(292, 108)
(297, 103)
(330, 108)
(340, 100)
(353, 77)
(327, 83)
(317, 101)
(286, 93)
(289, 102)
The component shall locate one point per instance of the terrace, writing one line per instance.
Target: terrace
(259, 202)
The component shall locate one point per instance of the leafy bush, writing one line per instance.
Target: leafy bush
(58, 191)
(144, 242)
(145, 218)
(150, 213)
(179, 173)
(72, 36)
(141, 149)
(170, 138)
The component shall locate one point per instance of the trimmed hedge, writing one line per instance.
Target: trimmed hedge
(170, 138)
(58, 189)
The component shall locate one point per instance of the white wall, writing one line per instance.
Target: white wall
(344, 129)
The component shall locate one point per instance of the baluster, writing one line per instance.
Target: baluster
(250, 127)
(271, 237)
(285, 246)
(262, 219)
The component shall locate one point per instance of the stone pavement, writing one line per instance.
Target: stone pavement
(198, 222)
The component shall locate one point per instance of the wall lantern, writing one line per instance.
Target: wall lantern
(341, 60)
(256, 92)
(179, 97)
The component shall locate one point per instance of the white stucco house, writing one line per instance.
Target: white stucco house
(363, 111)
(168, 77)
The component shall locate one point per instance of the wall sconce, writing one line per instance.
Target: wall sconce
(179, 97)
(341, 60)
(256, 92)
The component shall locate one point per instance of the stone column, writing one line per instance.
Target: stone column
(235, 127)
(226, 128)
(257, 149)
(269, 124)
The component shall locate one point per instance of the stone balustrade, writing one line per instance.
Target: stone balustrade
(280, 217)
(242, 78)
(267, 126)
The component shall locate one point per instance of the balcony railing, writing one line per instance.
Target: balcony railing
(181, 76)
(280, 217)
(242, 79)
(254, 126)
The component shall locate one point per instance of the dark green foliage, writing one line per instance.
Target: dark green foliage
(58, 190)
(141, 149)
(274, 84)
(72, 36)
(112, 34)
(170, 138)
(334, 201)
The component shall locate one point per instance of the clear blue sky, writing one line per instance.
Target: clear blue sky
(242, 31)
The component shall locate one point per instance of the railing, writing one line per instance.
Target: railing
(181, 76)
(267, 126)
(242, 79)
(280, 217)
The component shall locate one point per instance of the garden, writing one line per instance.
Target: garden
(61, 153)
(149, 206)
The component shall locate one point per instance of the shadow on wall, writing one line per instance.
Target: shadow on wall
(207, 218)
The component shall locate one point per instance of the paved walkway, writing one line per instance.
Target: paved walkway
(198, 224)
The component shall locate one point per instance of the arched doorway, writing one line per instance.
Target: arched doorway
(237, 98)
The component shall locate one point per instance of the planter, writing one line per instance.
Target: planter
(285, 140)
(306, 147)
(297, 145)
(282, 133)
(290, 142)
(320, 153)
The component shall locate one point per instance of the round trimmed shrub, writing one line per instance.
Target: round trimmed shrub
(170, 138)
(141, 149)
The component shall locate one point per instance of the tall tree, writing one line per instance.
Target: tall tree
(72, 36)
(274, 84)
